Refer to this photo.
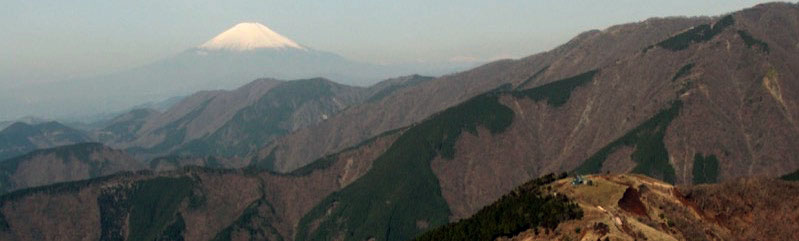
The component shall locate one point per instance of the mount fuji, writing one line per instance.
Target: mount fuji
(245, 52)
(249, 36)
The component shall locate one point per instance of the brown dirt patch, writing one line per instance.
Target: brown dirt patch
(631, 202)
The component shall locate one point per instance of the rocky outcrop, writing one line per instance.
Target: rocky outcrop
(682, 97)
(742, 209)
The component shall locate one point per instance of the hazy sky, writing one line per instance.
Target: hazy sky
(47, 40)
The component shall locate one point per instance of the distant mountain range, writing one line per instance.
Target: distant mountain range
(227, 124)
(30, 120)
(684, 101)
(245, 52)
(63, 164)
(20, 138)
(589, 50)
(236, 123)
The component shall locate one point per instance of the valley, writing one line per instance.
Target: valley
(678, 128)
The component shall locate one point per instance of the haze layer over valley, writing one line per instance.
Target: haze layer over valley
(236, 56)
(668, 128)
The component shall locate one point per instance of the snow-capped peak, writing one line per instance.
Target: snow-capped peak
(249, 36)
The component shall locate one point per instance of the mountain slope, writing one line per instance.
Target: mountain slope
(281, 110)
(63, 164)
(190, 204)
(707, 102)
(531, 205)
(651, 124)
(124, 127)
(194, 116)
(571, 122)
(234, 123)
(633, 207)
(585, 52)
(249, 36)
(20, 138)
(4, 124)
(245, 52)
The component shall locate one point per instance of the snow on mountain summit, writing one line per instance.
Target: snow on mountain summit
(249, 36)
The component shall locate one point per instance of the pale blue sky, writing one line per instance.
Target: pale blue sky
(48, 40)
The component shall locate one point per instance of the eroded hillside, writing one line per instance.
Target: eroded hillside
(63, 164)
(586, 52)
(635, 207)
(188, 204)
(699, 100)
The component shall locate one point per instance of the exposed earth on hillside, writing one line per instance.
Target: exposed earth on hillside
(635, 207)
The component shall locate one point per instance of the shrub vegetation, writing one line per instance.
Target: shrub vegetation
(683, 71)
(698, 34)
(154, 204)
(706, 169)
(557, 93)
(525, 208)
(794, 176)
(650, 153)
(401, 189)
(752, 41)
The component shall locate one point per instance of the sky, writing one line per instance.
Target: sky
(52, 40)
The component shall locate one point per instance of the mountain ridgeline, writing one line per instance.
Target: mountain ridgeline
(527, 207)
(282, 109)
(592, 49)
(62, 164)
(235, 123)
(20, 138)
(632, 207)
(708, 100)
(244, 52)
(210, 128)
(401, 201)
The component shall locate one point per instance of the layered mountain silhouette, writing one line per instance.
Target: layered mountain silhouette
(20, 138)
(681, 100)
(208, 128)
(240, 54)
(62, 164)
(238, 122)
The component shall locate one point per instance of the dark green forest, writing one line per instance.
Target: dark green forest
(650, 153)
(527, 207)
